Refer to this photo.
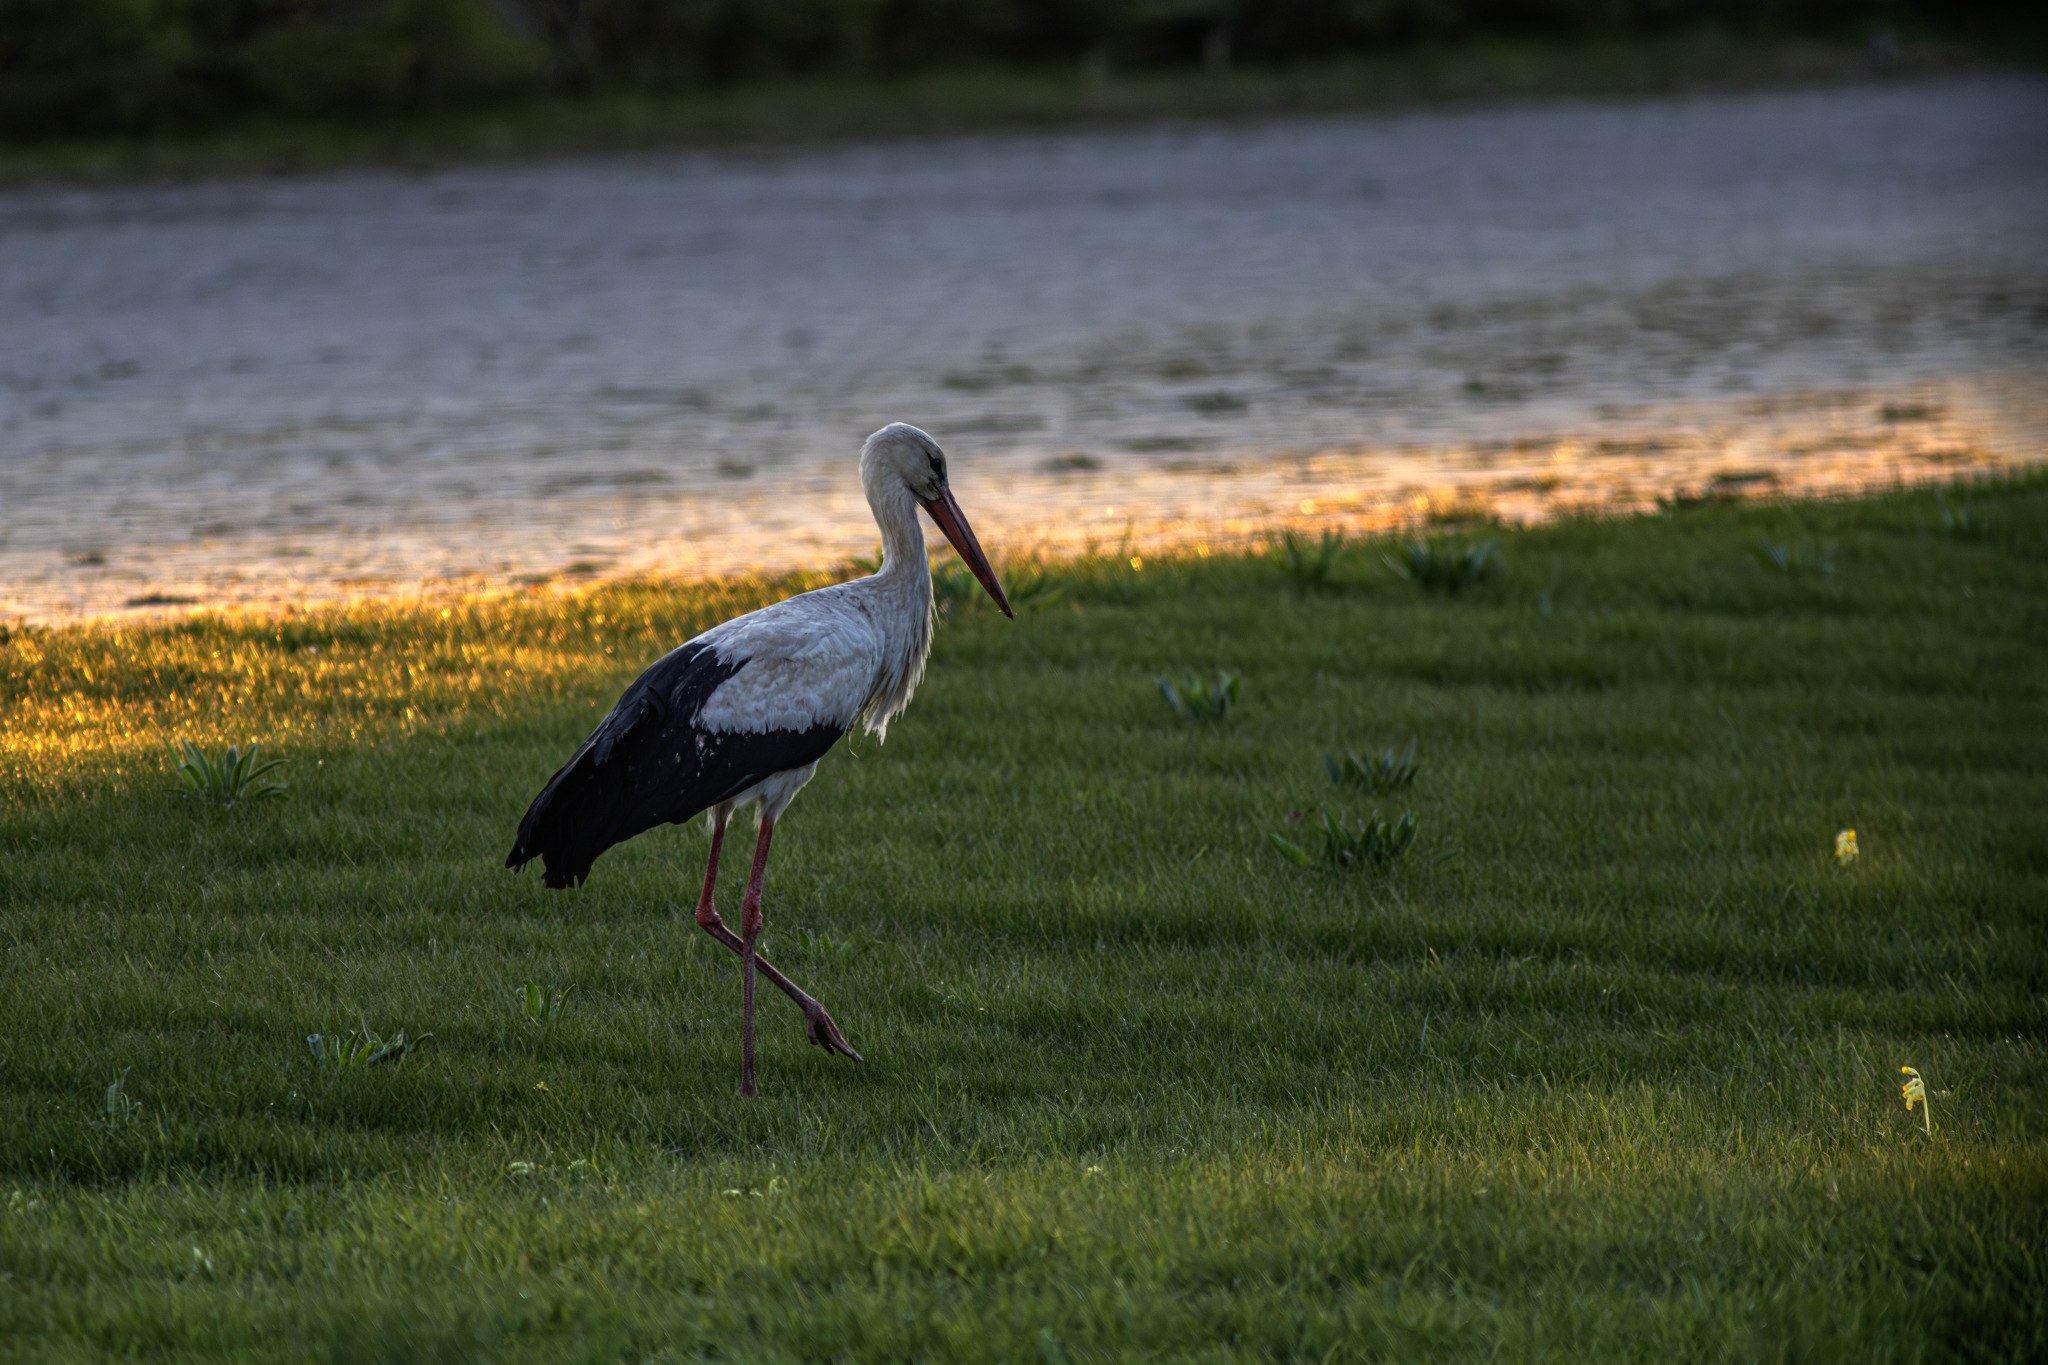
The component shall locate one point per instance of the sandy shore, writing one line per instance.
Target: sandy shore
(296, 390)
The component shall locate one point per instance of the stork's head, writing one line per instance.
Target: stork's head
(902, 455)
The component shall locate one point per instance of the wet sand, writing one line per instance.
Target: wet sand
(296, 390)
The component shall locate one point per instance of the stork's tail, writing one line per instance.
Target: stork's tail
(566, 847)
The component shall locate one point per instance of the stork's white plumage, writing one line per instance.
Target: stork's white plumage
(742, 713)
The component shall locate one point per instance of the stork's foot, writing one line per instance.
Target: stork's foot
(818, 1024)
(825, 1033)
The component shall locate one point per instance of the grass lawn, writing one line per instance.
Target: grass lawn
(1607, 1065)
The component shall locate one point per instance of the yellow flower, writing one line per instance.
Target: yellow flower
(1845, 847)
(1916, 1093)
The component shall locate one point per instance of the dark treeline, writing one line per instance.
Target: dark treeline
(72, 67)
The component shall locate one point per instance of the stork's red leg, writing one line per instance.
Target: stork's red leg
(750, 939)
(707, 915)
(819, 1024)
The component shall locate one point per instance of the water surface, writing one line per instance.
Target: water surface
(297, 389)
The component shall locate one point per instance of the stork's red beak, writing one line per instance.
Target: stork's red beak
(953, 522)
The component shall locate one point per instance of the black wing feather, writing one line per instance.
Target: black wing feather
(648, 763)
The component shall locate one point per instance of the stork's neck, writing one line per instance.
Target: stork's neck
(903, 558)
(900, 600)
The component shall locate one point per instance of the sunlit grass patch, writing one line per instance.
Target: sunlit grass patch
(108, 700)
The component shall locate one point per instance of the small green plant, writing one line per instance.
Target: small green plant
(1030, 584)
(228, 781)
(121, 1109)
(540, 1006)
(1445, 565)
(823, 947)
(1307, 568)
(360, 1048)
(1389, 772)
(1196, 700)
(1372, 842)
(1796, 557)
(1959, 519)
(954, 589)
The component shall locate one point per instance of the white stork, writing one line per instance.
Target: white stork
(744, 712)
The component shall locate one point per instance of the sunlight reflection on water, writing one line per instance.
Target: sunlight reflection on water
(264, 391)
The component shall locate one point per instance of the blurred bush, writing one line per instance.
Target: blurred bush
(119, 66)
(70, 67)
(391, 55)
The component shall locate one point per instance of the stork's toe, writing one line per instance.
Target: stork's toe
(826, 1034)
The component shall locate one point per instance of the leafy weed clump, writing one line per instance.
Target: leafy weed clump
(228, 781)
(1959, 519)
(1196, 700)
(538, 1005)
(121, 1108)
(1372, 842)
(1446, 566)
(1029, 584)
(953, 589)
(1309, 569)
(360, 1048)
(1391, 771)
(1796, 557)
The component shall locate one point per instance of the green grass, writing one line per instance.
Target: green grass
(1605, 1066)
(948, 102)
